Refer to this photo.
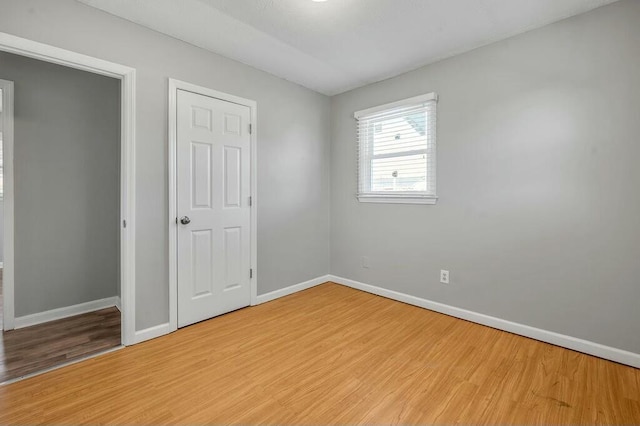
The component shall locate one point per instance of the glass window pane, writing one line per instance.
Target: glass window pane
(400, 134)
(405, 173)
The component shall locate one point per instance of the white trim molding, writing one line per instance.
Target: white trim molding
(175, 85)
(397, 199)
(66, 312)
(55, 55)
(268, 297)
(127, 76)
(152, 332)
(403, 102)
(6, 125)
(569, 342)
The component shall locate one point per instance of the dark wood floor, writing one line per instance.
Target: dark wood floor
(32, 349)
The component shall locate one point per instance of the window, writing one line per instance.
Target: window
(397, 152)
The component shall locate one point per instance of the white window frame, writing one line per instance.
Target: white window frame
(364, 170)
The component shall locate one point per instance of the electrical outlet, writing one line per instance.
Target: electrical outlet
(444, 276)
(365, 262)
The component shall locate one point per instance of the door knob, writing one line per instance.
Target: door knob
(185, 220)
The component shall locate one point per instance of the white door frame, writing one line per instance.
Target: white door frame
(174, 86)
(127, 76)
(6, 125)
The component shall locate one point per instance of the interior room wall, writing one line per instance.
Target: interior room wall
(1, 230)
(537, 140)
(293, 143)
(67, 184)
(538, 176)
(1, 222)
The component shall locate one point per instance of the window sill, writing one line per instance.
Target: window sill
(396, 199)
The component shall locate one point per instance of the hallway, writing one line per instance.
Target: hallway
(36, 348)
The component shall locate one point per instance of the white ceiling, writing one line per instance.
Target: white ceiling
(338, 45)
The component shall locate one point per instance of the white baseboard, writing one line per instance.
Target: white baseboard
(60, 313)
(580, 345)
(267, 297)
(152, 332)
(119, 303)
(1, 264)
(163, 329)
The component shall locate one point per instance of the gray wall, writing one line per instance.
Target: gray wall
(67, 190)
(538, 148)
(1, 230)
(538, 139)
(293, 148)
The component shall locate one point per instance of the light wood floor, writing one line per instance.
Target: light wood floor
(332, 355)
(32, 349)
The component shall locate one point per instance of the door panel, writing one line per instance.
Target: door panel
(213, 184)
(201, 180)
(232, 256)
(202, 265)
(232, 178)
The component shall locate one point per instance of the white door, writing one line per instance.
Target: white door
(213, 205)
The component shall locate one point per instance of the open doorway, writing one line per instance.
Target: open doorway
(61, 259)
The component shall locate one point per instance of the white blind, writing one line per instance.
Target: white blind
(397, 149)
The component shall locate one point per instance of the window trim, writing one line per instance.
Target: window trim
(403, 102)
(397, 197)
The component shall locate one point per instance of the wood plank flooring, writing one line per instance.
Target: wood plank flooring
(32, 349)
(332, 355)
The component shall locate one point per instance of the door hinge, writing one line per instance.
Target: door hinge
(250, 273)
(250, 201)
(250, 128)
(124, 223)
